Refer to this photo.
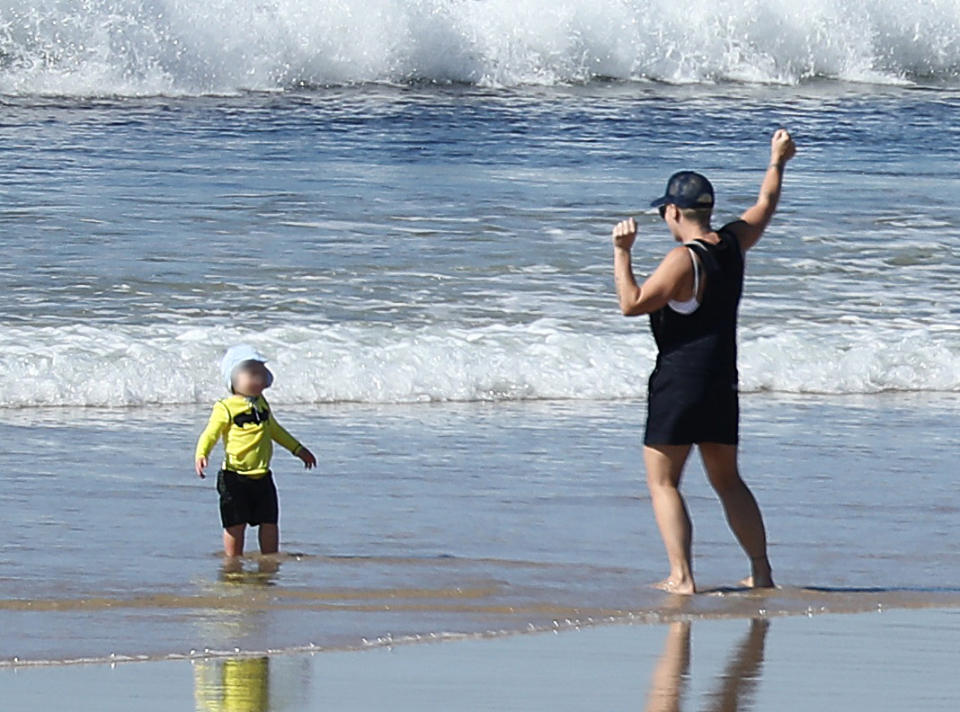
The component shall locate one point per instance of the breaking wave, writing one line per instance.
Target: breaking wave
(126, 365)
(146, 47)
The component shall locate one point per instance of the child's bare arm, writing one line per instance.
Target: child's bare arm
(282, 437)
(219, 419)
(309, 461)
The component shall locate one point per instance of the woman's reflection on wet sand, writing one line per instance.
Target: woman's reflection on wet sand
(737, 683)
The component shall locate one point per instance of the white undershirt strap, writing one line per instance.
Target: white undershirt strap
(690, 305)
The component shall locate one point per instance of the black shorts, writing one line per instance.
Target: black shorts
(687, 407)
(247, 500)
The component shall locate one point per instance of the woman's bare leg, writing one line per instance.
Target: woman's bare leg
(233, 540)
(743, 513)
(664, 468)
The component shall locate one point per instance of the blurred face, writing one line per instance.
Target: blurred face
(249, 379)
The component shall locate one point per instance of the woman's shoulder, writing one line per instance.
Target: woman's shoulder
(731, 233)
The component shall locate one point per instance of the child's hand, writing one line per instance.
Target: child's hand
(200, 466)
(309, 461)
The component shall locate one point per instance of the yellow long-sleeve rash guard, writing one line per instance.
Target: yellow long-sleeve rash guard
(248, 429)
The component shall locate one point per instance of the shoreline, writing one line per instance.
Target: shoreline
(719, 604)
(459, 519)
(751, 663)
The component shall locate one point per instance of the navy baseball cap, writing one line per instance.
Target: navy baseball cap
(686, 189)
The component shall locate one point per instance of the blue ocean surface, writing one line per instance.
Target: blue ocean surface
(407, 207)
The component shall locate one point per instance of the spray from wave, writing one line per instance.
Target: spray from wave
(137, 365)
(143, 47)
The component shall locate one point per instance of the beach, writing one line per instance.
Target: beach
(536, 521)
(406, 206)
(878, 661)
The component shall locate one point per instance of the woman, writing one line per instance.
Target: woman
(692, 300)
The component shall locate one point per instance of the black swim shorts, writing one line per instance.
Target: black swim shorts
(247, 500)
(684, 408)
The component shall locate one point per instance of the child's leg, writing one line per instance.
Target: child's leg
(233, 540)
(269, 538)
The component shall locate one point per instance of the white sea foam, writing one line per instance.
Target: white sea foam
(97, 47)
(127, 365)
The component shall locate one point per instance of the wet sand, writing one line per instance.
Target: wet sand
(459, 518)
(891, 660)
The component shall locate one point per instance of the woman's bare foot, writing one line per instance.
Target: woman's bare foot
(761, 574)
(757, 582)
(683, 587)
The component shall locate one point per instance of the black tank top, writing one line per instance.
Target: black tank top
(705, 341)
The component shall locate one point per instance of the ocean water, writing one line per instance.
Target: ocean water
(407, 206)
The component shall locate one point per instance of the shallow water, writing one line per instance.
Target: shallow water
(431, 520)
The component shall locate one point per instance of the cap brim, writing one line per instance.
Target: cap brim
(660, 201)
